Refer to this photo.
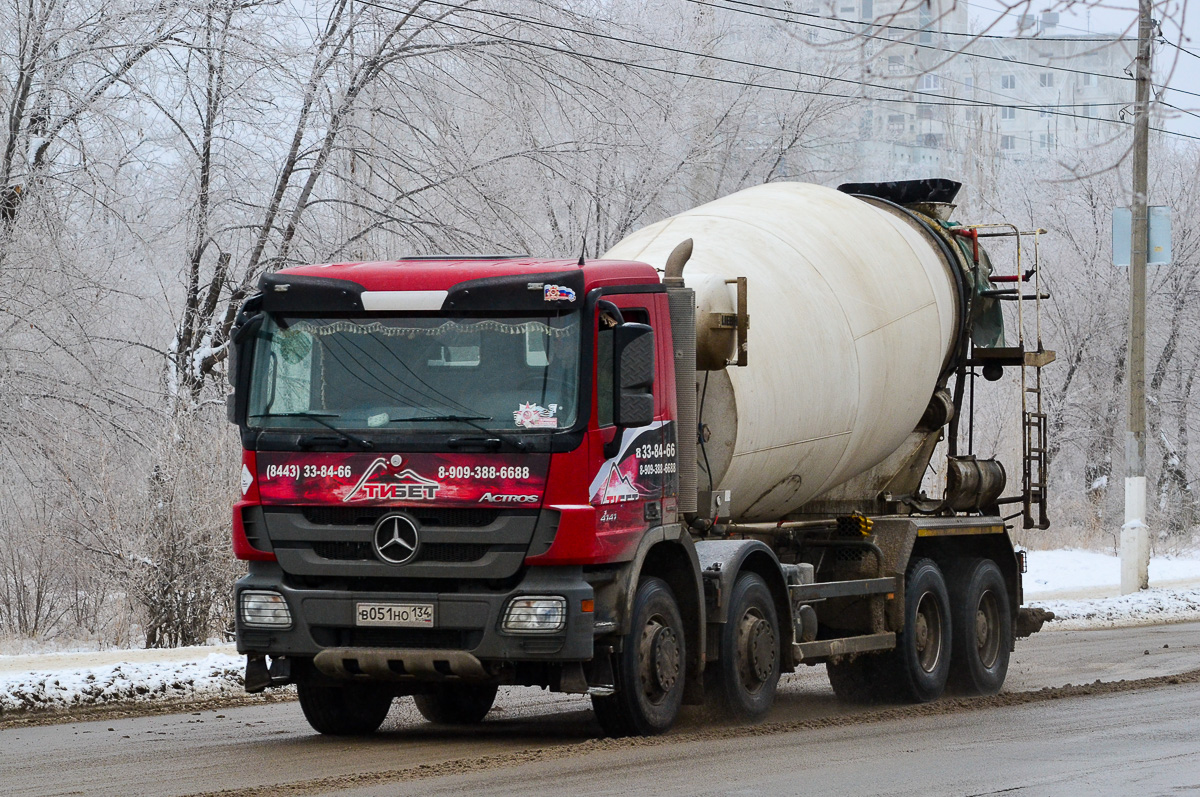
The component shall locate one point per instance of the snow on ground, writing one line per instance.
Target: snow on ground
(1090, 574)
(1150, 607)
(64, 681)
(1081, 587)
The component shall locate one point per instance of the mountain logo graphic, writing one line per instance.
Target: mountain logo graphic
(384, 482)
(617, 487)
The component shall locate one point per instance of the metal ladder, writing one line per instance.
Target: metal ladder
(1033, 419)
(1033, 455)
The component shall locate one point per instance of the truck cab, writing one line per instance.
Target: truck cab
(444, 462)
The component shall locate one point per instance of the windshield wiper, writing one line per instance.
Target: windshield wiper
(320, 417)
(297, 415)
(517, 442)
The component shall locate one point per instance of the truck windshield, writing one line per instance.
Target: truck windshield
(416, 373)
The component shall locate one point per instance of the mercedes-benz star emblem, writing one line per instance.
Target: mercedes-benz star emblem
(396, 540)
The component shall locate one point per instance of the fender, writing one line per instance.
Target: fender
(723, 561)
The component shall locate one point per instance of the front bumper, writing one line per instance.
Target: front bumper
(467, 619)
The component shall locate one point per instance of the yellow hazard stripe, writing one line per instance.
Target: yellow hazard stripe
(954, 531)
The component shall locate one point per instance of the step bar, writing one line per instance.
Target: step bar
(813, 652)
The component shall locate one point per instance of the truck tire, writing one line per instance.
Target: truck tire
(744, 683)
(921, 660)
(982, 628)
(465, 704)
(859, 680)
(350, 710)
(650, 669)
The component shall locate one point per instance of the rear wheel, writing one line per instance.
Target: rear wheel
(921, 661)
(982, 623)
(744, 683)
(350, 710)
(650, 669)
(462, 704)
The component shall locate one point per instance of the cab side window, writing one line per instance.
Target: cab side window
(605, 391)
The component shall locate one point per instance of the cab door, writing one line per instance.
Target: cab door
(633, 469)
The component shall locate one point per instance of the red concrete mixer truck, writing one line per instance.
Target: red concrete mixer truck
(599, 477)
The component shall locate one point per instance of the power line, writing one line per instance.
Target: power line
(1157, 88)
(906, 43)
(1109, 40)
(1015, 136)
(1160, 130)
(769, 67)
(1178, 47)
(878, 26)
(729, 81)
(1178, 91)
(593, 34)
(1009, 13)
(1177, 108)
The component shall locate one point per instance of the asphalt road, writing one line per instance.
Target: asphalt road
(1062, 747)
(1035, 739)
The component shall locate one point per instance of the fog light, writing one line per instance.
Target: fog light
(535, 614)
(265, 609)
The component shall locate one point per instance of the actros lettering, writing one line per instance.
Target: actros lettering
(493, 498)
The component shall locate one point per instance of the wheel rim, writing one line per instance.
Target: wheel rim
(660, 659)
(987, 629)
(928, 632)
(757, 650)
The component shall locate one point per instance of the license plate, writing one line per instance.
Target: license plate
(396, 615)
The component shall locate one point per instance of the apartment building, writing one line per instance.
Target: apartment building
(950, 95)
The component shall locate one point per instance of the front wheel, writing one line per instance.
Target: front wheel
(462, 704)
(650, 669)
(744, 682)
(350, 710)
(982, 622)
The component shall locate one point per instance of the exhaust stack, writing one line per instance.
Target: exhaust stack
(682, 303)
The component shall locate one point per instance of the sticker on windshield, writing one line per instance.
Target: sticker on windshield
(558, 293)
(534, 416)
(294, 345)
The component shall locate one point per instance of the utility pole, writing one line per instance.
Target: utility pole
(1135, 536)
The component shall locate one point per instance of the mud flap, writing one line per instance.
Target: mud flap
(1030, 620)
(257, 677)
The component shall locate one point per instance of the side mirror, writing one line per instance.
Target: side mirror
(241, 357)
(245, 325)
(633, 350)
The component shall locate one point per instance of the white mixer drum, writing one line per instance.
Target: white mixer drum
(853, 314)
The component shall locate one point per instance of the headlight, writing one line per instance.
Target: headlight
(535, 614)
(264, 609)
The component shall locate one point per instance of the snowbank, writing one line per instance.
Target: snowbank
(1149, 607)
(57, 685)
